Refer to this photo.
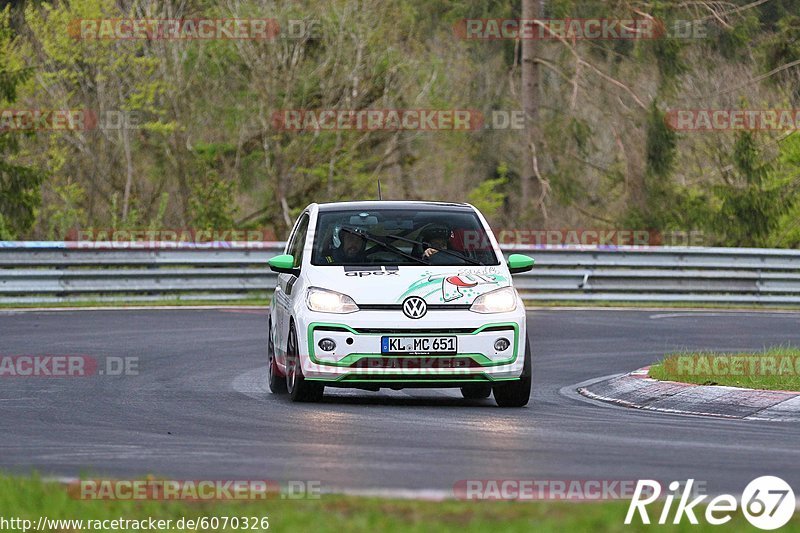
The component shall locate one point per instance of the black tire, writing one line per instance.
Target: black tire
(299, 389)
(516, 393)
(476, 392)
(276, 380)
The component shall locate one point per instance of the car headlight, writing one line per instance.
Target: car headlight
(497, 301)
(325, 301)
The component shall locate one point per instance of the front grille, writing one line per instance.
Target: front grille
(416, 331)
(414, 378)
(413, 331)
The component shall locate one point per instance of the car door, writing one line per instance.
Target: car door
(284, 293)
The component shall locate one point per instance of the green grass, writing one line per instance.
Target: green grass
(30, 498)
(776, 368)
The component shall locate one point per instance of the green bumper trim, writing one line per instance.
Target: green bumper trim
(349, 359)
(357, 377)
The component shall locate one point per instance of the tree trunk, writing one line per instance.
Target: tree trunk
(530, 188)
(126, 197)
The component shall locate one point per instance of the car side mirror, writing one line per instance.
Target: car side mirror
(518, 263)
(283, 264)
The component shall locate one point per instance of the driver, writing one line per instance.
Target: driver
(348, 246)
(435, 238)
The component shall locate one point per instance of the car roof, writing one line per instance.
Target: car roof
(377, 205)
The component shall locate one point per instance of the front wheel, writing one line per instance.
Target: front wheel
(300, 389)
(276, 380)
(516, 393)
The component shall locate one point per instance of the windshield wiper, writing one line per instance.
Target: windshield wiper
(449, 252)
(386, 245)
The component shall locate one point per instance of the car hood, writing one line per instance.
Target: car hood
(443, 285)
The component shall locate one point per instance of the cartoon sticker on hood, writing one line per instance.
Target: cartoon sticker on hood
(454, 286)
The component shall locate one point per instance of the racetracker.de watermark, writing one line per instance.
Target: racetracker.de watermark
(377, 119)
(547, 489)
(700, 365)
(193, 490)
(571, 29)
(170, 238)
(30, 120)
(397, 119)
(703, 120)
(608, 237)
(174, 29)
(66, 366)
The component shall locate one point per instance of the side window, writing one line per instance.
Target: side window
(299, 240)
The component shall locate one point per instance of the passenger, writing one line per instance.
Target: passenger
(348, 247)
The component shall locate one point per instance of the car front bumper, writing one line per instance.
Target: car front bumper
(357, 357)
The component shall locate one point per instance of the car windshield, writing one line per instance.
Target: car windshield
(401, 237)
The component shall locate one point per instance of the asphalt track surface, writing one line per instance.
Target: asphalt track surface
(199, 409)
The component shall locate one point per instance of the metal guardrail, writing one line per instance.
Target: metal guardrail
(32, 272)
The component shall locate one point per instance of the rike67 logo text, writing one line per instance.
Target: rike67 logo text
(767, 502)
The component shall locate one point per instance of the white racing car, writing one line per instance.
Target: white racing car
(397, 295)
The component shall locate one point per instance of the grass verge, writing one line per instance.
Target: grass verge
(31, 498)
(776, 368)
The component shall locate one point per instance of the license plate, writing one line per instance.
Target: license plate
(418, 345)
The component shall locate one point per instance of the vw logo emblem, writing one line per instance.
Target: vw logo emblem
(415, 307)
